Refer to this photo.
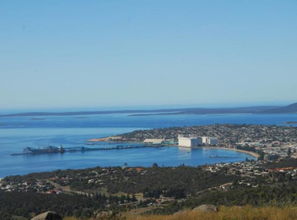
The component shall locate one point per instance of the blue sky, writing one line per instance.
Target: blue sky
(61, 53)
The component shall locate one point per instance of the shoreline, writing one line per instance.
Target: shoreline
(254, 154)
(206, 147)
(114, 138)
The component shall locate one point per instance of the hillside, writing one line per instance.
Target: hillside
(287, 109)
(155, 191)
(233, 212)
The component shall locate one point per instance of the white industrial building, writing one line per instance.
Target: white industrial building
(194, 141)
(209, 140)
(213, 141)
(204, 140)
(154, 140)
(190, 141)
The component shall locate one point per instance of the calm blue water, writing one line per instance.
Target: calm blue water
(71, 131)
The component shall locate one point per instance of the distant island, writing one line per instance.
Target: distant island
(289, 109)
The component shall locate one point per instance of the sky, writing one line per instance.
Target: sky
(89, 53)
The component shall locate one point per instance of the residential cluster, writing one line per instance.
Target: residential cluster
(272, 141)
(30, 185)
(253, 173)
(248, 173)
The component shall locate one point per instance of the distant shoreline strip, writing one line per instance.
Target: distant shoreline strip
(254, 154)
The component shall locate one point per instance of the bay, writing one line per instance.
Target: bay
(17, 133)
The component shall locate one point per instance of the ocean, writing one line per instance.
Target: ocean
(16, 133)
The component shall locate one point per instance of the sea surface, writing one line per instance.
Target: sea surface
(16, 133)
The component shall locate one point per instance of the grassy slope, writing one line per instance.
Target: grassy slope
(224, 213)
(228, 213)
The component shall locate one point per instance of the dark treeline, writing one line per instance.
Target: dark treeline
(26, 204)
(276, 195)
(166, 180)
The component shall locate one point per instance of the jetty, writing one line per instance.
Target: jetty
(61, 150)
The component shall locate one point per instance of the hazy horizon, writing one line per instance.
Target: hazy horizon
(139, 107)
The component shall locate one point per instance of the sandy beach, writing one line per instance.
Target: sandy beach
(234, 149)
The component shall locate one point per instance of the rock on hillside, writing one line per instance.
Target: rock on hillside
(206, 208)
(47, 216)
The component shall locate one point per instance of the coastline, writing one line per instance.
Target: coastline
(254, 154)
(114, 138)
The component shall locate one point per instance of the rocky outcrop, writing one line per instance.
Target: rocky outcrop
(47, 216)
(206, 208)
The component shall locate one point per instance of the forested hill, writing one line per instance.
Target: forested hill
(287, 109)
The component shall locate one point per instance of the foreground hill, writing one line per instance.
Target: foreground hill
(120, 191)
(224, 213)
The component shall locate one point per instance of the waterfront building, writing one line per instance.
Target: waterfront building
(204, 140)
(154, 140)
(209, 140)
(190, 141)
(212, 141)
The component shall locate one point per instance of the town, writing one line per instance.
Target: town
(270, 142)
